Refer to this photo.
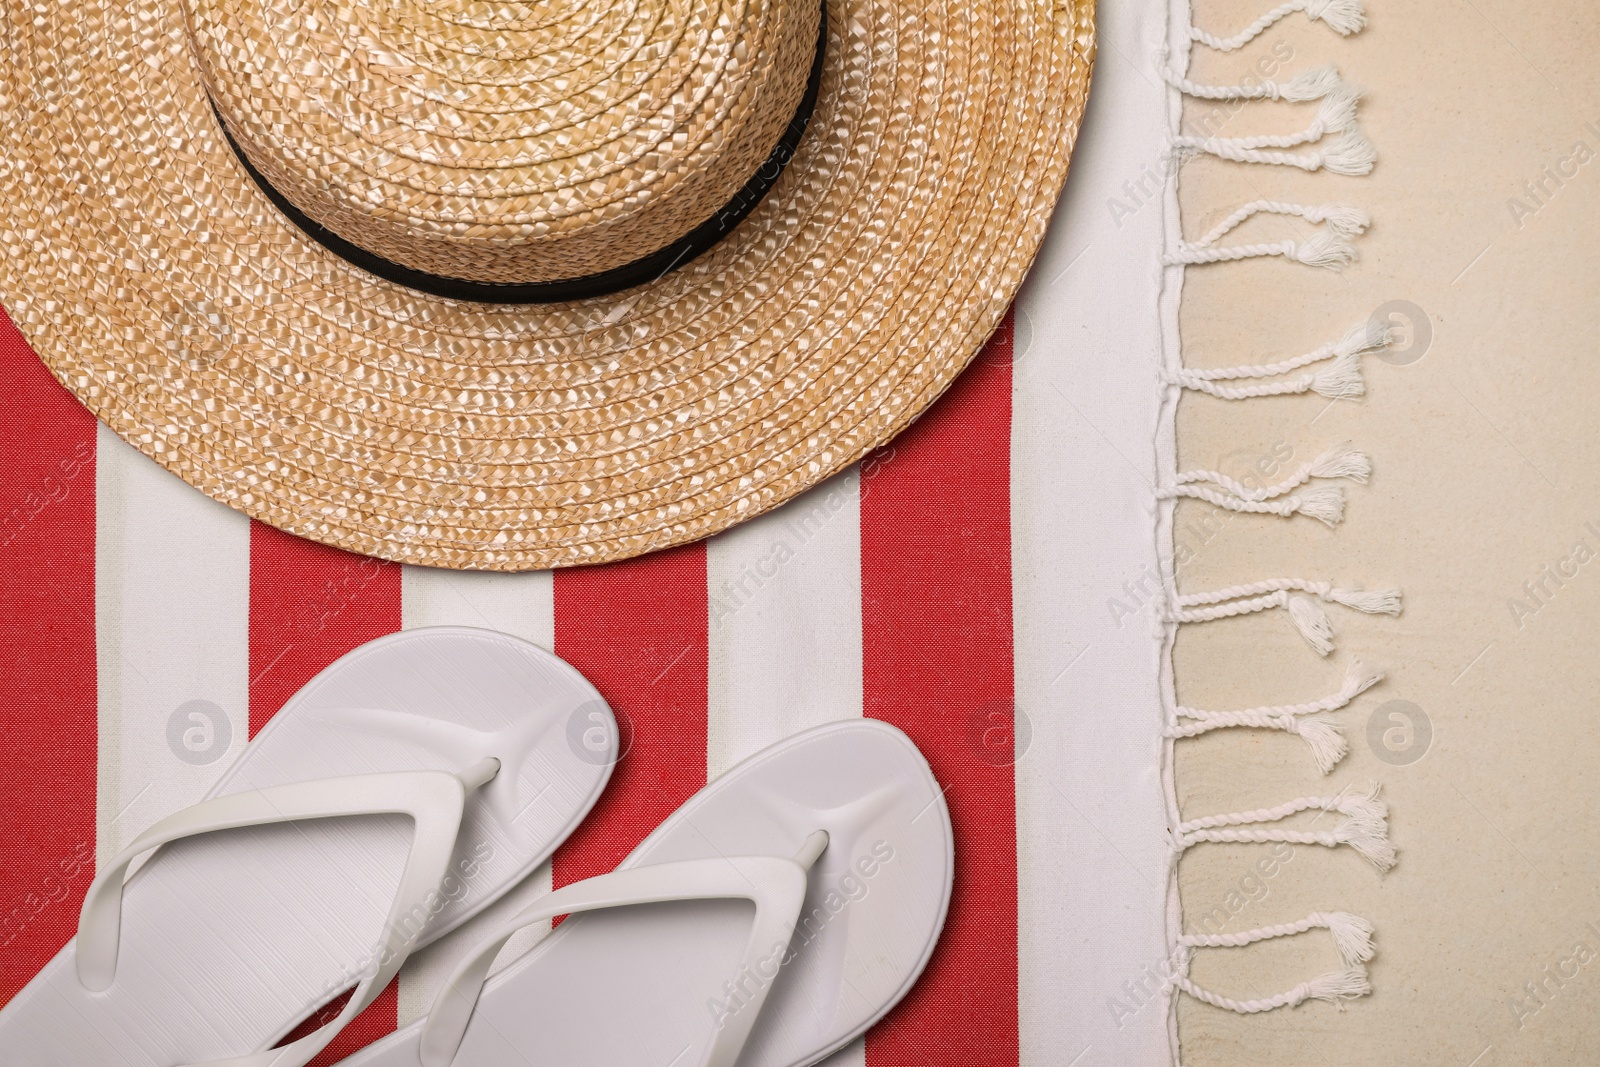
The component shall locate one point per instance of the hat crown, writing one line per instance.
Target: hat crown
(509, 142)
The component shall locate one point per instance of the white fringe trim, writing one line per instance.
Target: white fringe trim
(1350, 154)
(1352, 937)
(1307, 614)
(1308, 85)
(1344, 17)
(1335, 987)
(1336, 114)
(1324, 738)
(1323, 503)
(1342, 220)
(1341, 380)
(1320, 250)
(1365, 827)
(1330, 249)
(1331, 142)
(1340, 461)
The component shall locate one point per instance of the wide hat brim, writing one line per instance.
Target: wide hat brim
(162, 287)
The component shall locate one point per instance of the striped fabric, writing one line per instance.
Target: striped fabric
(131, 602)
(954, 584)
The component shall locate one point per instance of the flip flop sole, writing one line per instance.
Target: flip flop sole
(646, 984)
(232, 938)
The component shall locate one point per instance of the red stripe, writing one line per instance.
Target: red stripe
(48, 701)
(309, 605)
(638, 630)
(937, 662)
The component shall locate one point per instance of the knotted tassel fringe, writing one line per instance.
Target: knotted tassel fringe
(1344, 17)
(1324, 738)
(1307, 614)
(1365, 827)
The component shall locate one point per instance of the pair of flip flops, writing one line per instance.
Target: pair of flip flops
(773, 918)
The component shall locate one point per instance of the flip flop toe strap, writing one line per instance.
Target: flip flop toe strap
(433, 799)
(775, 885)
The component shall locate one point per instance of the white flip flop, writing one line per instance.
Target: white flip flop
(399, 793)
(771, 920)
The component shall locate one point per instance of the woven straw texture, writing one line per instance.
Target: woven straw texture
(531, 143)
(163, 288)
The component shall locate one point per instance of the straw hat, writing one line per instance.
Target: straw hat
(523, 283)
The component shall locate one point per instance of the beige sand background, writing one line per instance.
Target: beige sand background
(1487, 470)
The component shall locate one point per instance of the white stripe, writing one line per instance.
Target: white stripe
(1090, 819)
(785, 631)
(172, 618)
(785, 622)
(522, 605)
(519, 604)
